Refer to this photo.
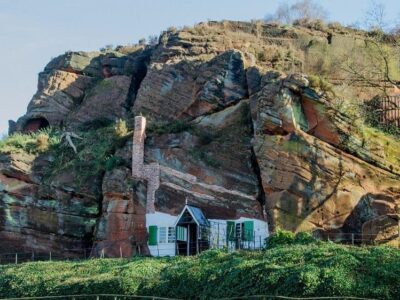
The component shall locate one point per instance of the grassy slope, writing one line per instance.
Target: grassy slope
(298, 270)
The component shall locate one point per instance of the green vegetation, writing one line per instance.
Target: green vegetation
(95, 150)
(160, 127)
(32, 143)
(95, 154)
(314, 269)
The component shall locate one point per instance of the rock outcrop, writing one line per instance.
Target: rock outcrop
(229, 128)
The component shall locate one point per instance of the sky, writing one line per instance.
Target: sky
(34, 31)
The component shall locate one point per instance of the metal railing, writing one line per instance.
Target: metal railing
(214, 240)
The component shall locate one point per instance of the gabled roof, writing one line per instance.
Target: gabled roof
(197, 215)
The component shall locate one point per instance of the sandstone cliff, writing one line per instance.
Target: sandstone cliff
(234, 125)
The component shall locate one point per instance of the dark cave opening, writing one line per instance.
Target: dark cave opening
(35, 124)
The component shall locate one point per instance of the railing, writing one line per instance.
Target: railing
(126, 297)
(215, 239)
(389, 110)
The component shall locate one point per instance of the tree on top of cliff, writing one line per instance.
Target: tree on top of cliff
(303, 9)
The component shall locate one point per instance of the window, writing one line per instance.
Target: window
(181, 233)
(243, 231)
(171, 234)
(162, 238)
(166, 235)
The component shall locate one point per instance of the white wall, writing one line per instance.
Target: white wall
(160, 219)
(217, 235)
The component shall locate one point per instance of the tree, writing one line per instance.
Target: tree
(375, 16)
(376, 64)
(304, 9)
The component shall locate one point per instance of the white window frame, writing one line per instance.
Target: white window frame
(169, 234)
(164, 230)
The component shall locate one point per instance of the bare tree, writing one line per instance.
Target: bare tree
(375, 64)
(375, 16)
(303, 9)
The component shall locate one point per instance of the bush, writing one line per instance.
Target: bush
(317, 82)
(160, 127)
(120, 127)
(284, 237)
(30, 143)
(314, 270)
(42, 142)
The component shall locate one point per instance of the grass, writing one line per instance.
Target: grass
(32, 143)
(316, 269)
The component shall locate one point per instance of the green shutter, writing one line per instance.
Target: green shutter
(181, 233)
(248, 234)
(152, 235)
(230, 230)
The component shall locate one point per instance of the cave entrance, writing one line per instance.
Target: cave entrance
(35, 124)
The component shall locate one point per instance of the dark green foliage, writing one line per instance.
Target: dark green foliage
(95, 156)
(207, 158)
(324, 269)
(284, 237)
(176, 126)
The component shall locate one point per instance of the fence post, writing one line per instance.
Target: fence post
(102, 253)
(33, 255)
(50, 256)
(398, 225)
(352, 239)
(16, 258)
(218, 236)
(120, 252)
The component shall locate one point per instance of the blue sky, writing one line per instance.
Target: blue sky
(32, 32)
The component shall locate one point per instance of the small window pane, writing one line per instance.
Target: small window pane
(171, 234)
(163, 235)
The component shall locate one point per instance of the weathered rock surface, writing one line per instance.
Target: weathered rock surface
(309, 179)
(47, 218)
(228, 135)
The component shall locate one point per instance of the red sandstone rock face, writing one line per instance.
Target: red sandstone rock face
(108, 96)
(121, 230)
(178, 88)
(37, 216)
(293, 156)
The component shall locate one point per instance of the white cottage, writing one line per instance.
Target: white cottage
(191, 231)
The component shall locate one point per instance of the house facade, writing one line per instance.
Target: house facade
(193, 229)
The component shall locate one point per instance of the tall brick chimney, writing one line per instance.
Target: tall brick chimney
(138, 146)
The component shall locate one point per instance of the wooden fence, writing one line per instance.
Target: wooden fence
(389, 108)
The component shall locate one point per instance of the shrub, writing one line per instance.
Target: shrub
(317, 82)
(160, 127)
(280, 237)
(31, 143)
(120, 127)
(284, 237)
(42, 142)
(323, 270)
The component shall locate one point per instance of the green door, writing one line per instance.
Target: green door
(230, 231)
